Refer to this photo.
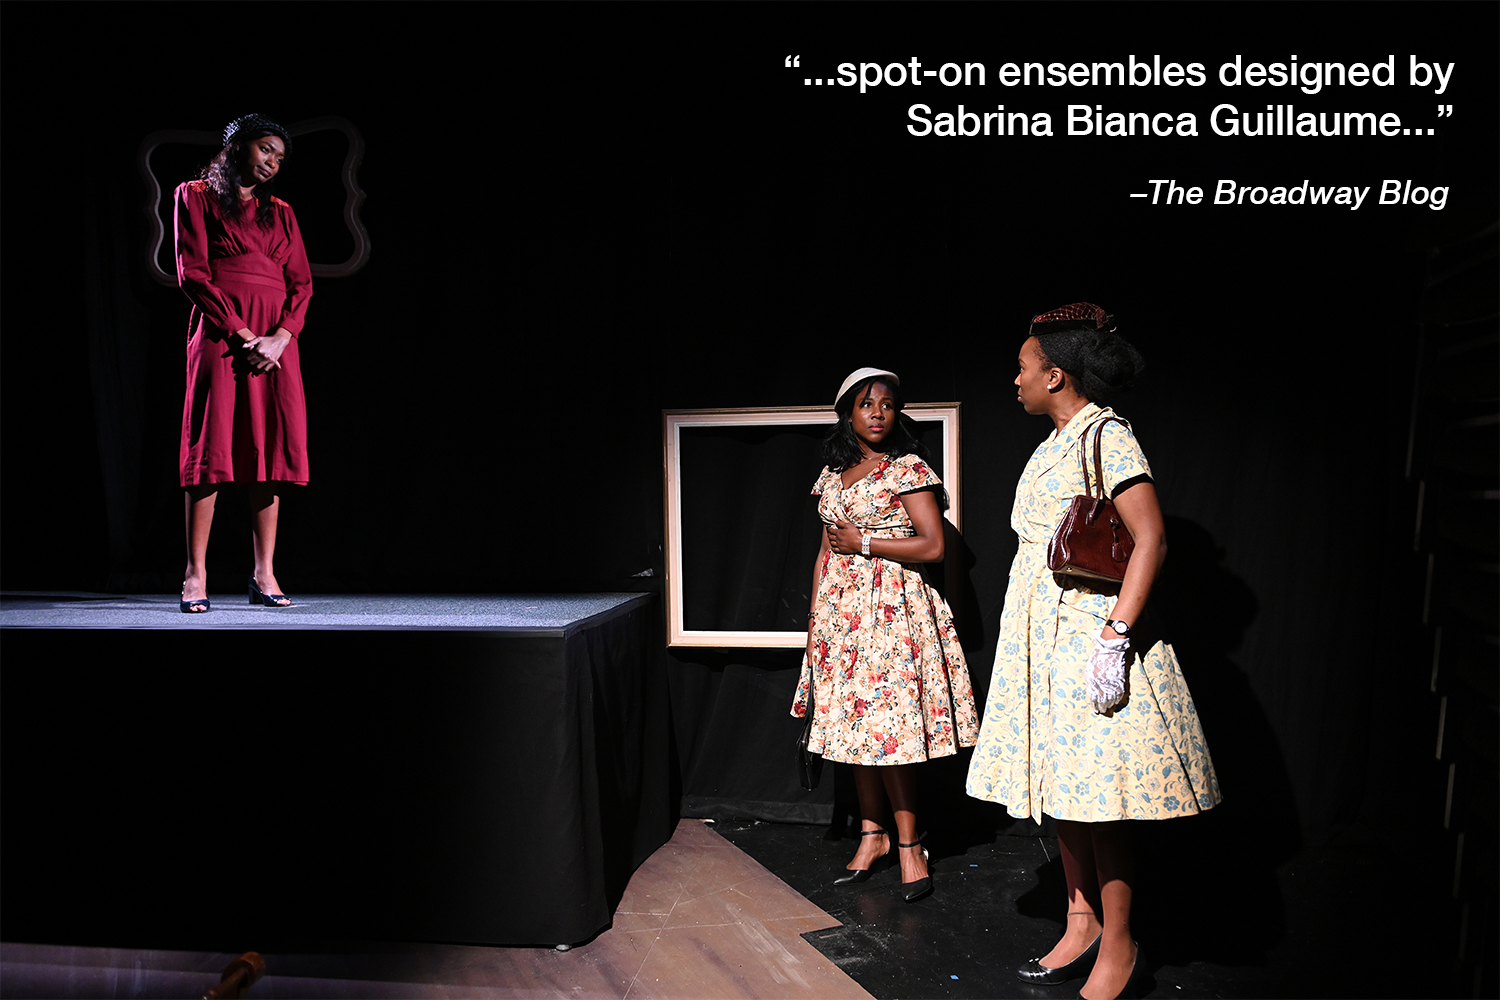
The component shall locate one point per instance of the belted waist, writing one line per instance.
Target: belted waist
(248, 268)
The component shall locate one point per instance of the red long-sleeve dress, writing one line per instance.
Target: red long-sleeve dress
(239, 426)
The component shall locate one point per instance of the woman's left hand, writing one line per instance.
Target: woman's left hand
(1106, 671)
(844, 538)
(264, 353)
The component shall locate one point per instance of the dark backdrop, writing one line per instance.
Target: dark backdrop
(583, 215)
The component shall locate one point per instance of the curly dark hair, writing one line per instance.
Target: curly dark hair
(223, 174)
(841, 448)
(1101, 364)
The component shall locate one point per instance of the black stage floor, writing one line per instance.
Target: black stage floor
(1357, 921)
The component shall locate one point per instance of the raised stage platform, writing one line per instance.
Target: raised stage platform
(465, 769)
(510, 613)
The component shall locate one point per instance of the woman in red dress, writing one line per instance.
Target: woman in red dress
(241, 262)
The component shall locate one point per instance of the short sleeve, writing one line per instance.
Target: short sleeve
(1120, 455)
(913, 474)
(822, 486)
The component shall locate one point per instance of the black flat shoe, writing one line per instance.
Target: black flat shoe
(922, 887)
(1035, 972)
(192, 607)
(269, 600)
(853, 876)
(1135, 986)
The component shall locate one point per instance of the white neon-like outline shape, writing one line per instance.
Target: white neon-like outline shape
(354, 195)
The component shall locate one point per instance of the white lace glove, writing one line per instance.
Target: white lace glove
(1106, 672)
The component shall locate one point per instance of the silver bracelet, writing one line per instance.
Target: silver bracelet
(864, 545)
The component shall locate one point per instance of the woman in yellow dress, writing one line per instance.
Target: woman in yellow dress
(889, 681)
(1088, 718)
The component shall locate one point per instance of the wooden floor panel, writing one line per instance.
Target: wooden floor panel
(700, 919)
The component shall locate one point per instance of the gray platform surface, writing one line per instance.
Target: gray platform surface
(534, 613)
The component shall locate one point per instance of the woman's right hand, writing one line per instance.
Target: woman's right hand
(844, 538)
(261, 353)
(264, 353)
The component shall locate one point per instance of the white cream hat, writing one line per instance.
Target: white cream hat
(859, 376)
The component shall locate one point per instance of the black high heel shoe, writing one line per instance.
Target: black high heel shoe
(269, 600)
(192, 608)
(1035, 972)
(922, 887)
(852, 876)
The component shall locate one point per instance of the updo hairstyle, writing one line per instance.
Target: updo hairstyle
(1100, 363)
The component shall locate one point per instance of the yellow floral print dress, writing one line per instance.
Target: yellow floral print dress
(890, 681)
(1042, 748)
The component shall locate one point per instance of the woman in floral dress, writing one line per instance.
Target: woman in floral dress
(1088, 717)
(889, 683)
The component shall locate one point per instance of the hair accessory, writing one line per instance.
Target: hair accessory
(859, 376)
(252, 126)
(1092, 542)
(1077, 312)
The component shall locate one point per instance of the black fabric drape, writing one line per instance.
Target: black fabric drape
(285, 785)
(731, 712)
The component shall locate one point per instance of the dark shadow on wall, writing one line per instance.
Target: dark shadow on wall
(955, 820)
(1223, 862)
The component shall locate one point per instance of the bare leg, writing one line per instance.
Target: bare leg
(900, 787)
(265, 505)
(871, 809)
(198, 511)
(1115, 861)
(1076, 842)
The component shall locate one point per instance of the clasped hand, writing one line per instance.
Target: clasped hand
(844, 538)
(263, 354)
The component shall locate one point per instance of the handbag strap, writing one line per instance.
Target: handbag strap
(1098, 453)
(812, 686)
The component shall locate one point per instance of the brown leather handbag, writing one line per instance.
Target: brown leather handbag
(1092, 542)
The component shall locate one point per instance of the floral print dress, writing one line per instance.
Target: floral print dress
(1042, 748)
(890, 681)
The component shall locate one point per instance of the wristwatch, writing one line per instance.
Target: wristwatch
(1122, 629)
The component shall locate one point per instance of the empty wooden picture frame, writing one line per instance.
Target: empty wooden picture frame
(741, 522)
